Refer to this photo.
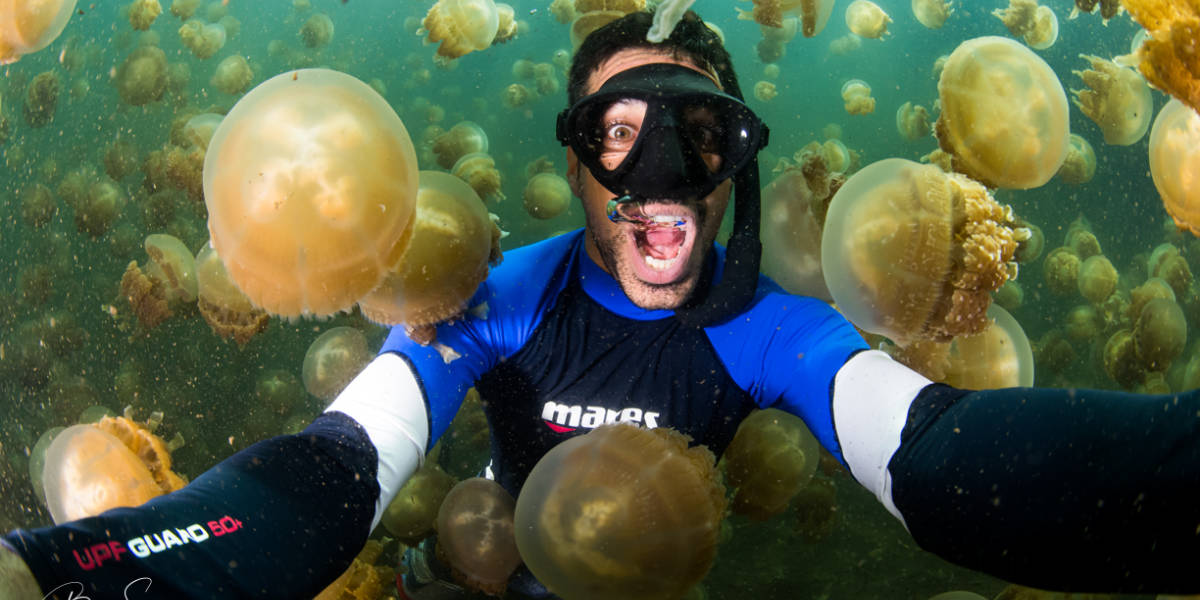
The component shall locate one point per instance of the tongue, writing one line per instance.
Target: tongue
(663, 242)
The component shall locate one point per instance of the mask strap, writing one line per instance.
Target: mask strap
(742, 256)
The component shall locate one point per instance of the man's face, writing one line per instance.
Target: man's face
(657, 267)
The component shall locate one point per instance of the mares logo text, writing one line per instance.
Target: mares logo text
(566, 417)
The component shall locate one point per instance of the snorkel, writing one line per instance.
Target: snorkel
(688, 118)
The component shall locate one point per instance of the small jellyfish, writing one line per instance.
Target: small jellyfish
(1097, 278)
(845, 45)
(462, 26)
(1117, 99)
(932, 13)
(772, 455)
(228, 312)
(100, 206)
(857, 97)
(310, 183)
(1080, 165)
(142, 13)
(1045, 29)
(317, 31)
(546, 195)
(765, 91)
(912, 121)
(913, 253)
(184, 9)
(479, 170)
(464, 138)
(38, 205)
(41, 99)
(120, 159)
(172, 264)
(596, 520)
(412, 514)
(517, 96)
(865, 19)
(199, 129)
(1159, 334)
(1004, 114)
(1020, 17)
(791, 234)
(836, 155)
(1061, 270)
(998, 357)
(475, 535)
(203, 39)
(771, 71)
(233, 75)
(506, 28)
(117, 462)
(1175, 163)
(814, 14)
(26, 27)
(332, 360)
(447, 257)
(142, 77)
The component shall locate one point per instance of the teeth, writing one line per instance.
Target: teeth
(666, 218)
(660, 264)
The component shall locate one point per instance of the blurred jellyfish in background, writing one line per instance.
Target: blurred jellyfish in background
(1080, 165)
(932, 13)
(865, 19)
(332, 360)
(1004, 114)
(856, 94)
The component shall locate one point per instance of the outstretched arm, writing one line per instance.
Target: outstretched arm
(1067, 489)
(280, 519)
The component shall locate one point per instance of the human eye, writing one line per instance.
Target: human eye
(619, 136)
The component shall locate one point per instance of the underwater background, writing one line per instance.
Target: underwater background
(69, 340)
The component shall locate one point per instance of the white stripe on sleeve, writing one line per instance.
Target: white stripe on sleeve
(871, 396)
(386, 400)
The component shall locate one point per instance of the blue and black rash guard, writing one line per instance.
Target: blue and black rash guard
(1060, 489)
(560, 350)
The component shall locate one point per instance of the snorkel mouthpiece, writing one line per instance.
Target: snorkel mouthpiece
(616, 214)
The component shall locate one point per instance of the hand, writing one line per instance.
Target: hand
(16, 581)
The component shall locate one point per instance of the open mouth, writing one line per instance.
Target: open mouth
(662, 236)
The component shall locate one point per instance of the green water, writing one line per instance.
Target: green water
(68, 341)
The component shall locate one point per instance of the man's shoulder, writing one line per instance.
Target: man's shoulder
(536, 263)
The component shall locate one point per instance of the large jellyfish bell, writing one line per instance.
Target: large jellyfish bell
(27, 27)
(311, 185)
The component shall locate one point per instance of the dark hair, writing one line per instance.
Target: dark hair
(690, 40)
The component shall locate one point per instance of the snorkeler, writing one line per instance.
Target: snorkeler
(640, 317)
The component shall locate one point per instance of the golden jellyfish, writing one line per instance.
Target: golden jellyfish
(114, 463)
(1009, 296)
(506, 28)
(1120, 359)
(224, 307)
(814, 14)
(595, 519)
(231, 24)
(199, 129)
(184, 9)
(1020, 17)
(913, 253)
(464, 138)
(1159, 334)
(1117, 99)
(412, 514)
(447, 257)
(1061, 271)
(523, 68)
(203, 39)
(772, 455)
(99, 208)
(26, 27)
(317, 31)
(1168, 264)
(363, 580)
(142, 77)
(120, 159)
(563, 11)
(932, 13)
(332, 360)
(142, 13)
(845, 45)
(547, 195)
(765, 91)
(912, 121)
(590, 21)
(1083, 323)
(1097, 278)
(1080, 164)
(1167, 58)
(37, 461)
(1152, 289)
(856, 95)
(310, 183)
(1081, 240)
(1175, 163)
(771, 71)
(41, 99)
(1004, 114)
(479, 170)
(546, 85)
(462, 26)
(38, 205)
(865, 19)
(146, 296)
(517, 96)
(233, 75)
(475, 535)
(837, 157)
(172, 264)
(998, 357)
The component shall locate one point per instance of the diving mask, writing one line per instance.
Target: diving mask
(692, 136)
